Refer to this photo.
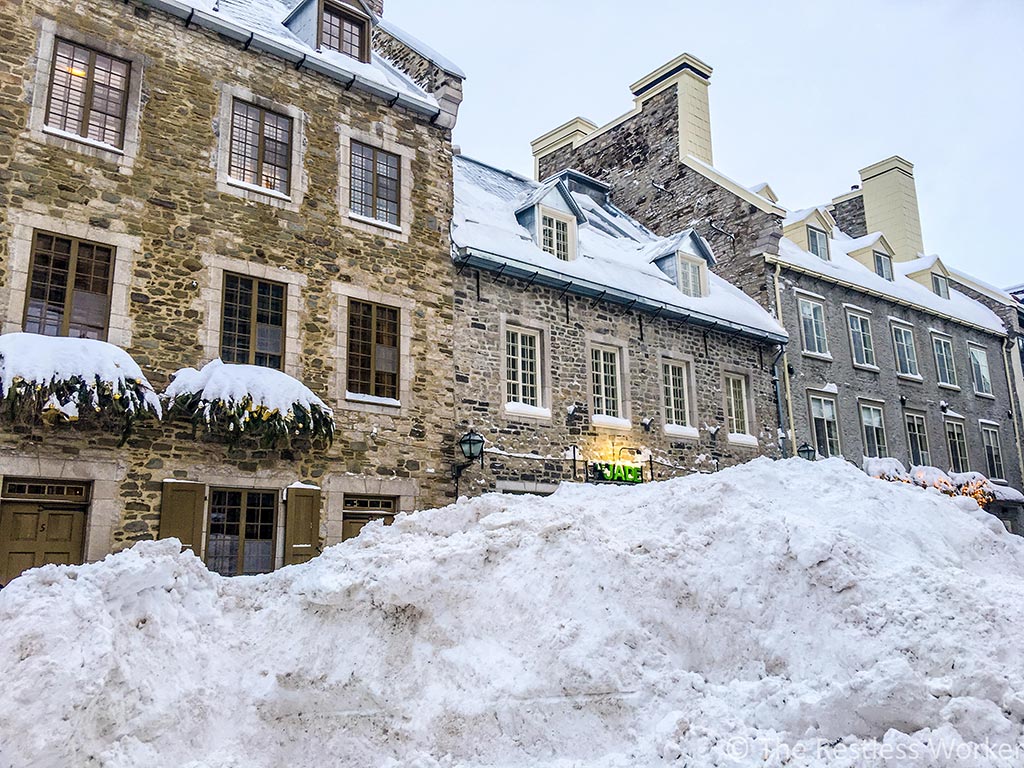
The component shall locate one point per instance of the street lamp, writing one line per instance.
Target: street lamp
(807, 452)
(472, 446)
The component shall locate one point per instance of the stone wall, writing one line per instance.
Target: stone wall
(849, 215)
(165, 194)
(530, 453)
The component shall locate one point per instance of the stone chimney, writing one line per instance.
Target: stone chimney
(692, 76)
(377, 6)
(890, 205)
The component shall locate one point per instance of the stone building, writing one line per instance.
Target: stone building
(885, 357)
(266, 183)
(591, 349)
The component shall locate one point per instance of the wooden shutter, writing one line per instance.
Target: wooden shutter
(301, 525)
(181, 514)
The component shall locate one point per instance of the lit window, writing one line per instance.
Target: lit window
(957, 442)
(736, 404)
(690, 283)
(88, 93)
(812, 327)
(556, 235)
(521, 358)
(69, 287)
(906, 353)
(873, 426)
(825, 425)
(818, 243)
(917, 439)
(677, 397)
(373, 349)
(252, 322)
(883, 265)
(860, 340)
(605, 382)
(240, 536)
(261, 147)
(944, 360)
(979, 370)
(344, 31)
(376, 184)
(993, 451)
(941, 286)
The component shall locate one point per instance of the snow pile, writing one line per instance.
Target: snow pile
(799, 609)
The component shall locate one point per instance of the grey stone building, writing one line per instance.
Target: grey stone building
(888, 356)
(590, 349)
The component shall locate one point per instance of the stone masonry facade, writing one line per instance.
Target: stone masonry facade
(178, 228)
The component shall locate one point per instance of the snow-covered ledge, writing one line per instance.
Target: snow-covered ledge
(234, 401)
(58, 379)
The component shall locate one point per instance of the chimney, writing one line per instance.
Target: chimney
(890, 205)
(377, 6)
(693, 77)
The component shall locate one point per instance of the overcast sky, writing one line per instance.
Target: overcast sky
(804, 94)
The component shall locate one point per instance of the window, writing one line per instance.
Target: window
(521, 367)
(736, 404)
(240, 538)
(883, 265)
(979, 370)
(344, 31)
(906, 354)
(557, 234)
(88, 93)
(860, 340)
(69, 291)
(941, 286)
(690, 278)
(261, 147)
(252, 326)
(605, 380)
(944, 360)
(677, 396)
(873, 425)
(373, 349)
(917, 439)
(812, 327)
(357, 511)
(993, 452)
(956, 439)
(825, 425)
(818, 243)
(376, 184)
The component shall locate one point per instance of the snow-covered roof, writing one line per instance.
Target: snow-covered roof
(844, 268)
(260, 24)
(795, 217)
(613, 252)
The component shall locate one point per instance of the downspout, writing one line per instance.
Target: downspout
(783, 441)
(785, 360)
(1008, 349)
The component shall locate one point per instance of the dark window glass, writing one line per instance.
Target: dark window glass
(241, 532)
(376, 184)
(343, 32)
(261, 146)
(70, 287)
(373, 350)
(88, 93)
(252, 326)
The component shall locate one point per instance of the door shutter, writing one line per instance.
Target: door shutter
(181, 514)
(301, 525)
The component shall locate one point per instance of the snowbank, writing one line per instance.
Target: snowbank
(783, 606)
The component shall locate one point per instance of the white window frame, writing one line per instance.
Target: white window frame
(865, 332)
(555, 215)
(947, 343)
(911, 351)
(883, 445)
(830, 450)
(599, 389)
(957, 424)
(925, 451)
(516, 381)
(940, 286)
(743, 436)
(817, 319)
(812, 232)
(674, 424)
(883, 265)
(687, 262)
(991, 429)
(986, 382)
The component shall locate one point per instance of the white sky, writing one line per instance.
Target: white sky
(804, 94)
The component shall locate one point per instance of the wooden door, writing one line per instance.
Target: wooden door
(35, 533)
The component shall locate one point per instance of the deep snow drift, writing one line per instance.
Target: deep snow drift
(801, 609)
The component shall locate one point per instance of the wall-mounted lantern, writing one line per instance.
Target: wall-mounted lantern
(807, 452)
(472, 446)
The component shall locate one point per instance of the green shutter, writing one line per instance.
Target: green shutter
(181, 514)
(301, 525)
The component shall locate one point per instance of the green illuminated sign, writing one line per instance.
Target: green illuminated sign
(612, 472)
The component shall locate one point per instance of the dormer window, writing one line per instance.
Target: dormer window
(346, 30)
(883, 265)
(941, 286)
(558, 234)
(817, 243)
(691, 276)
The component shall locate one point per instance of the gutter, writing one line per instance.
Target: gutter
(294, 55)
(785, 360)
(493, 262)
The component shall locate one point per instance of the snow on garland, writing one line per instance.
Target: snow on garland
(972, 484)
(59, 378)
(238, 400)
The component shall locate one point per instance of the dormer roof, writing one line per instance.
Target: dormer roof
(544, 192)
(687, 241)
(764, 190)
(817, 215)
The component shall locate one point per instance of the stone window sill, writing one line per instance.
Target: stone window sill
(866, 367)
(58, 133)
(910, 377)
(986, 395)
(953, 387)
(239, 184)
(374, 222)
(825, 356)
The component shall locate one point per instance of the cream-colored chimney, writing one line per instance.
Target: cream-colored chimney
(692, 76)
(890, 205)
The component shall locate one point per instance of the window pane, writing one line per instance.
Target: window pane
(77, 70)
(225, 531)
(342, 32)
